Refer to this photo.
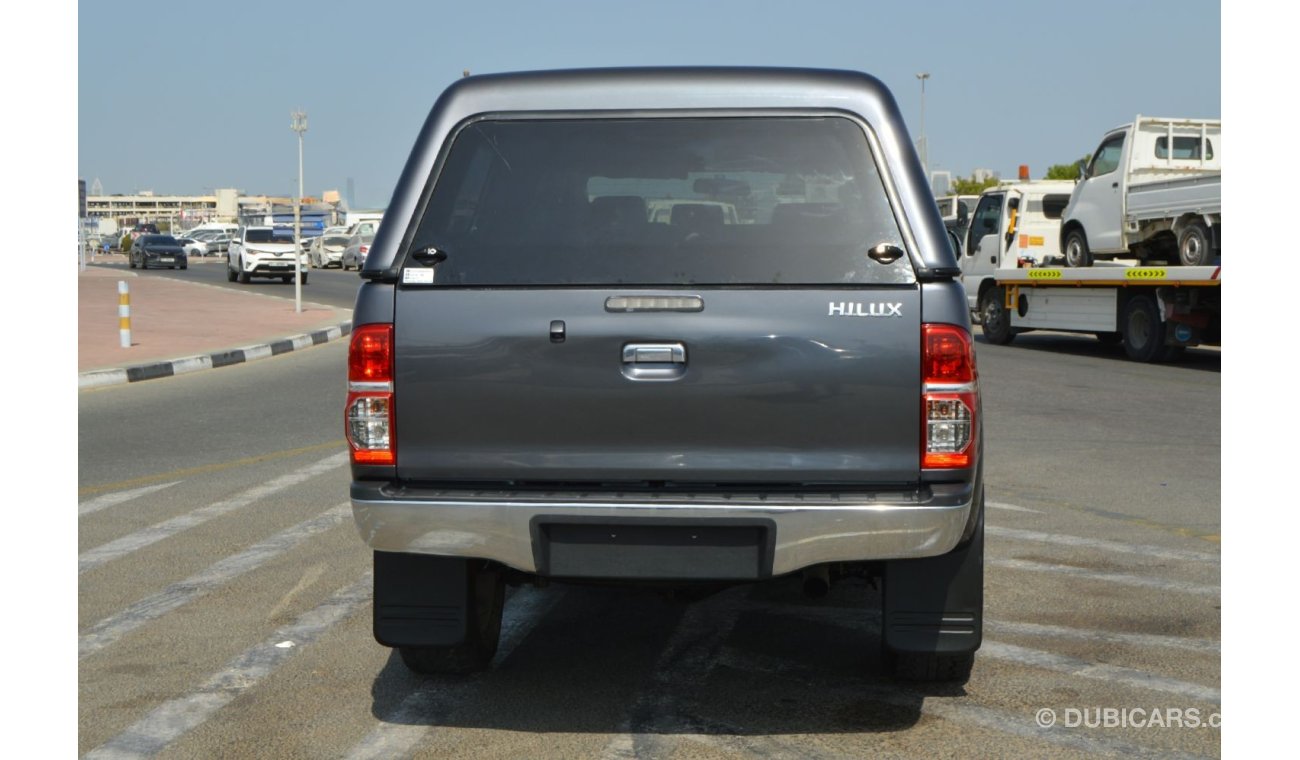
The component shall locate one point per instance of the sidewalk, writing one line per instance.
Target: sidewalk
(179, 327)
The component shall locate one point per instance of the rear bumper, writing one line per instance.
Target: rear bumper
(520, 529)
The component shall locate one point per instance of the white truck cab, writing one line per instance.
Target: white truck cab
(1150, 190)
(1013, 221)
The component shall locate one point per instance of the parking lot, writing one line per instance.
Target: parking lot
(224, 594)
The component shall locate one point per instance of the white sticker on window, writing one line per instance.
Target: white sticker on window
(417, 276)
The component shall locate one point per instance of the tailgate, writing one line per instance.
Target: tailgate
(765, 386)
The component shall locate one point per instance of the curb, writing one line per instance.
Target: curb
(173, 367)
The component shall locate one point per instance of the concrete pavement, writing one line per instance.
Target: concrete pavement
(179, 326)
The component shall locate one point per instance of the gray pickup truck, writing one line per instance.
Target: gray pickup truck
(548, 381)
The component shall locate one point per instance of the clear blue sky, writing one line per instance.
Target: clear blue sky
(181, 97)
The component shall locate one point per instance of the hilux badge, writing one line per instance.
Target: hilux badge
(855, 309)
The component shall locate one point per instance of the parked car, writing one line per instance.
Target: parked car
(159, 251)
(354, 256)
(217, 242)
(327, 250)
(193, 247)
(261, 252)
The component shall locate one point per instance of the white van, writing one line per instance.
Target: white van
(228, 229)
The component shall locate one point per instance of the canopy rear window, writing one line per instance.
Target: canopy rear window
(661, 202)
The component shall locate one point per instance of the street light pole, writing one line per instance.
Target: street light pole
(925, 146)
(299, 125)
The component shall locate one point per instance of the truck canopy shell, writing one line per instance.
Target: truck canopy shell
(649, 92)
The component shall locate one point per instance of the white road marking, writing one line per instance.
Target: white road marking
(957, 710)
(125, 545)
(869, 620)
(1123, 579)
(1109, 637)
(113, 499)
(1097, 671)
(406, 726)
(1010, 508)
(173, 719)
(114, 627)
(686, 662)
(1144, 550)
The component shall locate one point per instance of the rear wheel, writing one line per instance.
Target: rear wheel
(1144, 331)
(930, 667)
(1076, 249)
(1194, 247)
(994, 318)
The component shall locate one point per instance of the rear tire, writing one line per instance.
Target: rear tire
(1076, 249)
(1144, 331)
(930, 667)
(1194, 246)
(486, 601)
(995, 320)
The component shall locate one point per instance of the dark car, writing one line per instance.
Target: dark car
(158, 251)
(759, 384)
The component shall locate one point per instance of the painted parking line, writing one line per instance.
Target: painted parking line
(1098, 544)
(114, 627)
(121, 497)
(1113, 674)
(961, 710)
(1145, 640)
(187, 472)
(173, 719)
(133, 542)
(403, 729)
(1123, 579)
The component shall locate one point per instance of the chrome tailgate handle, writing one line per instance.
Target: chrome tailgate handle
(654, 353)
(654, 361)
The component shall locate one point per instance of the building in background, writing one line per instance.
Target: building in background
(182, 212)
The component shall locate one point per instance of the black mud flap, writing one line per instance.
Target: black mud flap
(420, 600)
(936, 604)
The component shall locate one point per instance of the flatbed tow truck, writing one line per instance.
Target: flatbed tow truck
(1155, 311)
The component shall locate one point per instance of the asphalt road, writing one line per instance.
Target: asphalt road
(328, 286)
(224, 598)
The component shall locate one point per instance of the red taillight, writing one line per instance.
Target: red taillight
(948, 355)
(368, 416)
(370, 356)
(950, 399)
(365, 249)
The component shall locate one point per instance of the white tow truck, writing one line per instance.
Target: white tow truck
(1011, 269)
(1152, 190)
